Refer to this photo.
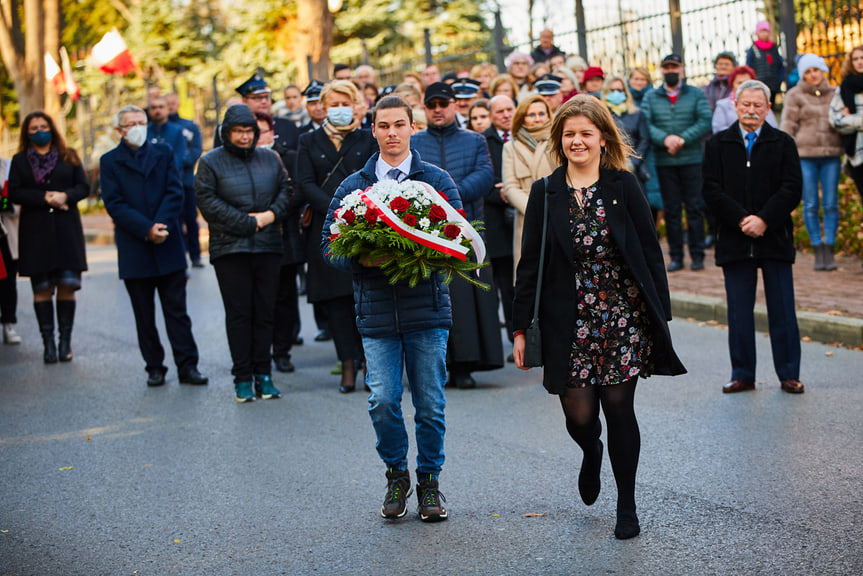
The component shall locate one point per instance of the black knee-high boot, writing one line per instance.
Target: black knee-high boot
(65, 320)
(45, 318)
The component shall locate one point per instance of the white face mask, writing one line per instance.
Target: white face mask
(136, 135)
(270, 145)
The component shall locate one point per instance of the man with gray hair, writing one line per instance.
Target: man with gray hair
(143, 194)
(752, 182)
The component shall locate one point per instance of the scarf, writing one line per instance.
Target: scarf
(638, 95)
(337, 134)
(617, 109)
(531, 137)
(764, 47)
(42, 164)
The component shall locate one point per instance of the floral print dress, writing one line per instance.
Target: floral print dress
(611, 342)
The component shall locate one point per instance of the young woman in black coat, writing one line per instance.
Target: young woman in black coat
(47, 179)
(604, 301)
(325, 158)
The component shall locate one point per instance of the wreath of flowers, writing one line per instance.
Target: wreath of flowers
(409, 230)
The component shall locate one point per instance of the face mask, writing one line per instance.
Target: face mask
(340, 115)
(40, 138)
(616, 97)
(671, 79)
(136, 135)
(270, 145)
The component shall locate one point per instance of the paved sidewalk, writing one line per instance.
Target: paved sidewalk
(829, 304)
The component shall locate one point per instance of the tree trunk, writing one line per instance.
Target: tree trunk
(314, 38)
(24, 56)
(51, 10)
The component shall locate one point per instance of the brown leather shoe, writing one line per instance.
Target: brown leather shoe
(738, 386)
(792, 386)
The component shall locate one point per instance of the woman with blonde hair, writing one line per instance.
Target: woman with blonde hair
(526, 158)
(484, 73)
(326, 157)
(504, 85)
(604, 285)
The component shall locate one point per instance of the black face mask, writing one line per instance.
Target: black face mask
(671, 79)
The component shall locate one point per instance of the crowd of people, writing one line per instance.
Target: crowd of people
(567, 167)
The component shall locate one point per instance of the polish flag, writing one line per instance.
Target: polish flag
(111, 55)
(72, 88)
(54, 74)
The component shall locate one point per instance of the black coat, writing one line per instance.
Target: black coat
(498, 214)
(229, 188)
(294, 252)
(769, 185)
(316, 158)
(49, 239)
(631, 226)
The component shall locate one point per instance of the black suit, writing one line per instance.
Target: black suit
(499, 229)
(631, 226)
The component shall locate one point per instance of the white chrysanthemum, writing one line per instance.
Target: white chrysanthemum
(360, 210)
(424, 223)
(435, 232)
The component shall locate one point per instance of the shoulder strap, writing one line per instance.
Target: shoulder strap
(542, 248)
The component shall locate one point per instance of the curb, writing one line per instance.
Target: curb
(819, 327)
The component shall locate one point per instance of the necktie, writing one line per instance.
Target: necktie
(505, 136)
(750, 140)
(395, 174)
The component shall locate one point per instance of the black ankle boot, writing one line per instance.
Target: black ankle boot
(349, 377)
(45, 318)
(65, 320)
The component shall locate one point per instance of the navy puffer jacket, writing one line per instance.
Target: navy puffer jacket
(464, 155)
(385, 309)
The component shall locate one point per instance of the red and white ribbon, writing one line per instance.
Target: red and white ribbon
(438, 243)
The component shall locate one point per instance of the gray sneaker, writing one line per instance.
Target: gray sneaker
(398, 490)
(430, 508)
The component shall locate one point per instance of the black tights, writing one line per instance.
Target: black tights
(581, 408)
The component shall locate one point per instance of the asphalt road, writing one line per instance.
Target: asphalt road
(100, 475)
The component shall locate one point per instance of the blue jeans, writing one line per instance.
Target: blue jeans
(824, 170)
(423, 353)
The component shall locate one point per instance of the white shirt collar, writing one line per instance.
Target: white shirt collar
(381, 167)
(743, 132)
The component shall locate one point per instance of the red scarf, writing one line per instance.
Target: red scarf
(764, 47)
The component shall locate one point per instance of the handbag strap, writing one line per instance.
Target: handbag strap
(542, 248)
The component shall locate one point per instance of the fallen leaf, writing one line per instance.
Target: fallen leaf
(64, 468)
(495, 515)
(690, 319)
(88, 438)
(806, 339)
(829, 353)
(833, 313)
(4, 531)
(533, 515)
(176, 540)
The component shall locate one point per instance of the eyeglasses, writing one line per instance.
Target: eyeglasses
(243, 131)
(432, 104)
(536, 115)
(132, 125)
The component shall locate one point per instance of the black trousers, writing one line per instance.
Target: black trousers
(286, 327)
(189, 218)
(857, 176)
(8, 286)
(249, 283)
(342, 321)
(172, 295)
(681, 185)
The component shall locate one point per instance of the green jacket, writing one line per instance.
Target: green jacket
(689, 118)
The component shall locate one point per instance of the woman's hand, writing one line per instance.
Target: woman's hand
(56, 199)
(518, 351)
(263, 219)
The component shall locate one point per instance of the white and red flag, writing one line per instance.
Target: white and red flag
(111, 55)
(72, 88)
(54, 74)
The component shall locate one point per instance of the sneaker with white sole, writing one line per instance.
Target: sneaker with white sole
(430, 508)
(398, 490)
(9, 335)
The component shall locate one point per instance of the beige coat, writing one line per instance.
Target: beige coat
(806, 117)
(521, 168)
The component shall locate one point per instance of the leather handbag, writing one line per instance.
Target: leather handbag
(532, 336)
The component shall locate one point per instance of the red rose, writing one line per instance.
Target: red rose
(451, 231)
(399, 204)
(349, 216)
(410, 220)
(372, 215)
(462, 212)
(437, 214)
